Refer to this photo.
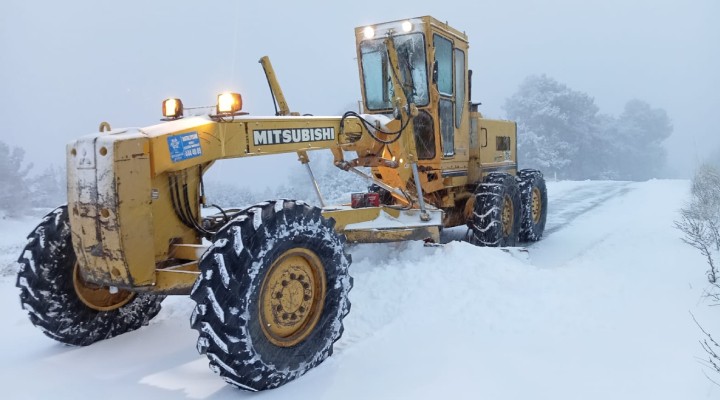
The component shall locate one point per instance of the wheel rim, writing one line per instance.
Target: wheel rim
(292, 297)
(536, 205)
(99, 297)
(507, 215)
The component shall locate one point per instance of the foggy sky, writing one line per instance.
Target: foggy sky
(67, 66)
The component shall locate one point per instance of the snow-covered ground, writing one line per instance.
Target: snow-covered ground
(600, 309)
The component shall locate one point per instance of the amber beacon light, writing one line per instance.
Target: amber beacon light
(172, 108)
(229, 103)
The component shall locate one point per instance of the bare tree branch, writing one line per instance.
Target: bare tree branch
(700, 224)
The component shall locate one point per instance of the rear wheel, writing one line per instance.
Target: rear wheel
(272, 295)
(495, 220)
(533, 193)
(61, 303)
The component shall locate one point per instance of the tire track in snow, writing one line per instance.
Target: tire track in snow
(562, 242)
(563, 210)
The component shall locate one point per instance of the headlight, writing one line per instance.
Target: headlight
(369, 32)
(407, 26)
(172, 108)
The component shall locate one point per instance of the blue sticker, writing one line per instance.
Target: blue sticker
(184, 146)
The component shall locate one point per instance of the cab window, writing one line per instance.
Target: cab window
(459, 86)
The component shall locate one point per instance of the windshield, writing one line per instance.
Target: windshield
(378, 87)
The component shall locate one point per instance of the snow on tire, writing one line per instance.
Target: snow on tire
(496, 213)
(533, 194)
(59, 304)
(272, 294)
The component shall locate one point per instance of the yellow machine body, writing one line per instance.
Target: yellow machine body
(125, 186)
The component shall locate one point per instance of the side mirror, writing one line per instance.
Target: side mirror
(435, 72)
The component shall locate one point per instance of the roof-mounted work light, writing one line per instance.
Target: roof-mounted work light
(229, 103)
(172, 108)
(369, 32)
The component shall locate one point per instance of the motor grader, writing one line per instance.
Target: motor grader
(271, 281)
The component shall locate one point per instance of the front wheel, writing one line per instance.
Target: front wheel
(272, 294)
(60, 303)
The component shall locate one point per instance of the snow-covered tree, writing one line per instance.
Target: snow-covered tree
(49, 188)
(714, 158)
(335, 184)
(700, 219)
(557, 126)
(228, 195)
(561, 131)
(700, 223)
(639, 134)
(13, 173)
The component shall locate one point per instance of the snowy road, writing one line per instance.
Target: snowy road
(568, 200)
(599, 311)
(573, 199)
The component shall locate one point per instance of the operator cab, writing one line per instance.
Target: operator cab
(431, 57)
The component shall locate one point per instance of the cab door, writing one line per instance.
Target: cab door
(443, 76)
(449, 74)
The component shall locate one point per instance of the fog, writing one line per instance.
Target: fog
(67, 66)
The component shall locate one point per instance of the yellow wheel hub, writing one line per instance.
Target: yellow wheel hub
(508, 216)
(97, 297)
(536, 205)
(292, 297)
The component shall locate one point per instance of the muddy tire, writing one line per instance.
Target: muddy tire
(272, 294)
(59, 303)
(495, 221)
(533, 194)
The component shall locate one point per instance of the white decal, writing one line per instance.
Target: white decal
(285, 136)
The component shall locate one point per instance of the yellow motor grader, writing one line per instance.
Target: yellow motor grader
(271, 281)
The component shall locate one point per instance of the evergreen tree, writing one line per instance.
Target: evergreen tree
(560, 131)
(228, 195)
(15, 194)
(335, 184)
(48, 189)
(640, 132)
(556, 127)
